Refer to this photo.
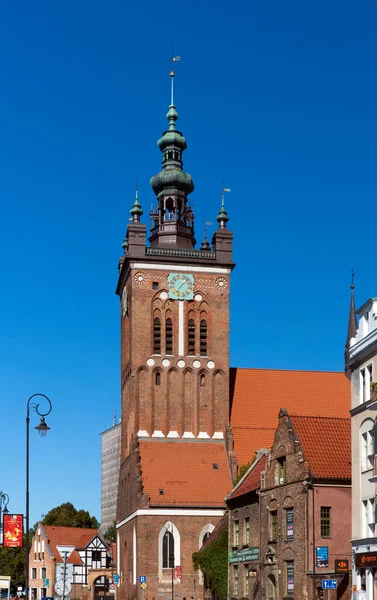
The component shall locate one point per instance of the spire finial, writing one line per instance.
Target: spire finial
(352, 321)
(222, 218)
(136, 211)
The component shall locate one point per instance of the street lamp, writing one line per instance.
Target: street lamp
(42, 429)
(4, 499)
(308, 485)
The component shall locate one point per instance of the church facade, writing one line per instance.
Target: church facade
(176, 445)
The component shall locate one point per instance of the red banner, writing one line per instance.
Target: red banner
(12, 531)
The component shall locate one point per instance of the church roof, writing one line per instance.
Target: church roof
(258, 394)
(185, 473)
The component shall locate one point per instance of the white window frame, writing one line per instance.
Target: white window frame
(206, 529)
(366, 378)
(368, 523)
(367, 444)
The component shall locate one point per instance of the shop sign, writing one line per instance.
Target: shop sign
(244, 555)
(341, 565)
(366, 559)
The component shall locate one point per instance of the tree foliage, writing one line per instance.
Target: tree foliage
(213, 561)
(66, 515)
(111, 533)
(242, 470)
(12, 562)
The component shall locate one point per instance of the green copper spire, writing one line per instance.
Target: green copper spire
(222, 218)
(136, 210)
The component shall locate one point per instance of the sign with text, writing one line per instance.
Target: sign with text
(289, 523)
(341, 565)
(366, 559)
(290, 578)
(329, 584)
(244, 555)
(12, 531)
(322, 556)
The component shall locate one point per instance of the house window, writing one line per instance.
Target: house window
(157, 336)
(290, 578)
(368, 518)
(282, 467)
(191, 337)
(247, 587)
(325, 521)
(168, 550)
(247, 531)
(96, 555)
(34, 573)
(273, 525)
(202, 380)
(235, 580)
(155, 285)
(289, 523)
(43, 572)
(365, 381)
(169, 336)
(367, 449)
(158, 378)
(43, 592)
(203, 338)
(236, 533)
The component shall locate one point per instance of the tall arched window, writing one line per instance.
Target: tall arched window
(157, 336)
(169, 336)
(158, 378)
(168, 550)
(203, 337)
(191, 337)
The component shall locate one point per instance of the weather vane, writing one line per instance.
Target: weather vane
(174, 59)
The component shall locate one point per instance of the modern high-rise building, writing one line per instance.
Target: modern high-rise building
(110, 459)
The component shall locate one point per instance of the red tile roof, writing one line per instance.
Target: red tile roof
(251, 480)
(69, 536)
(258, 394)
(185, 472)
(326, 444)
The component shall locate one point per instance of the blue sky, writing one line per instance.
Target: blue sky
(276, 99)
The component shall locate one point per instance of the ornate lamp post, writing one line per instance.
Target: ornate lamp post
(42, 429)
(4, 499)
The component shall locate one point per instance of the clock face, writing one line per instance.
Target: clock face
(181, 287)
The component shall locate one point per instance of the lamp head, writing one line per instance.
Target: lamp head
(42, 428)
(5, 510)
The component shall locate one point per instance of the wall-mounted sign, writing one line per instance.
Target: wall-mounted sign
(341, 565)
(12, 531)
(322, 556)
(366, 559)
(244, 555)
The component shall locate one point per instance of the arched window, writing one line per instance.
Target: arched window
(168, 550)
(157, 336)
(202, 380)
(191, 337)
(169, 336)
(203, 337)
(158, 378)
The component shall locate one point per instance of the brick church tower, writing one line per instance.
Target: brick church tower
(176, 446)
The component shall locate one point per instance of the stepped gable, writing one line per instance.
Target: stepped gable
(258, 394)
(185, 473)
